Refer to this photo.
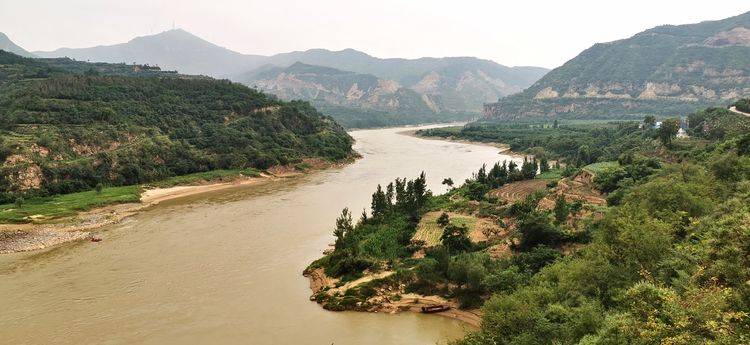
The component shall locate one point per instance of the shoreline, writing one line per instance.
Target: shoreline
(382, 303)
(26, 237)
(504, 148)
(320, 283)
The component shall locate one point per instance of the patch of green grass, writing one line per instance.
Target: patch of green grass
(596, 168)
(45, 208)
(56, 206)
(444, 131)
(302, 166)
(554, 174)
(214, 175)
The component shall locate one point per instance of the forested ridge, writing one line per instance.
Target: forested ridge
(69, 126)
(643, 239)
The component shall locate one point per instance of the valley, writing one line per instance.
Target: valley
(161, 188)
(175, 256)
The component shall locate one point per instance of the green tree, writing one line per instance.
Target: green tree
(448, 182)
(561, 209)
(455, 238)
(379, 203)
(343, 228)
(649, 121)
(535, 229)
(475, 190)
(668, 130)
(543, 165)
(443, 220)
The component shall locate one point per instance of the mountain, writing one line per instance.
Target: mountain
(355, 100)
(7, 45)
(331, 86)
(173, 50)
(66, 126)
(410, 71)
(460, 84)
(399, 91)
(663, 71)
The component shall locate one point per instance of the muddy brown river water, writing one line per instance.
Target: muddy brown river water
(225, 267)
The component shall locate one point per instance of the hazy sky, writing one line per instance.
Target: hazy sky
(540, 33)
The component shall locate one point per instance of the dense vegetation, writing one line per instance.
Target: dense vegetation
(665, 261)
(385, 237)
(68, 126)
(743, 105)
(577, 144)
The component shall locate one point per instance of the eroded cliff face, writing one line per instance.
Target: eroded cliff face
(713, 85)
(350, 90)
(466, 91)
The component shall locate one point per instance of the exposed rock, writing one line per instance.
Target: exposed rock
(546, 93)
(737, 36)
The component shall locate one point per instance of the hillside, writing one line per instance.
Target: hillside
(353, 99)
(463, 83)
(663, 71)
(644, 242)
(174, 49)
(68, 126)
(335, 87)
(7, 45)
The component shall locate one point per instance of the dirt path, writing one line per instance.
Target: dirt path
(734, 110)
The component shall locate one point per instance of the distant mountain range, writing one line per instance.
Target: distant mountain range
(666, 70)
(7, 45)
(426, 85)
(458, 83)
(171, 50)
(330, 86)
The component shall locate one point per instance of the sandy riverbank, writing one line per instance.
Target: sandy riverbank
(384, 301)
(503, 148)
(36, 236)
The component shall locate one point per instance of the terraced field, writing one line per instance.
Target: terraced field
(516, 191)
(429, 231)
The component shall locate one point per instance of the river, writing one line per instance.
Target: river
(225, 267)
